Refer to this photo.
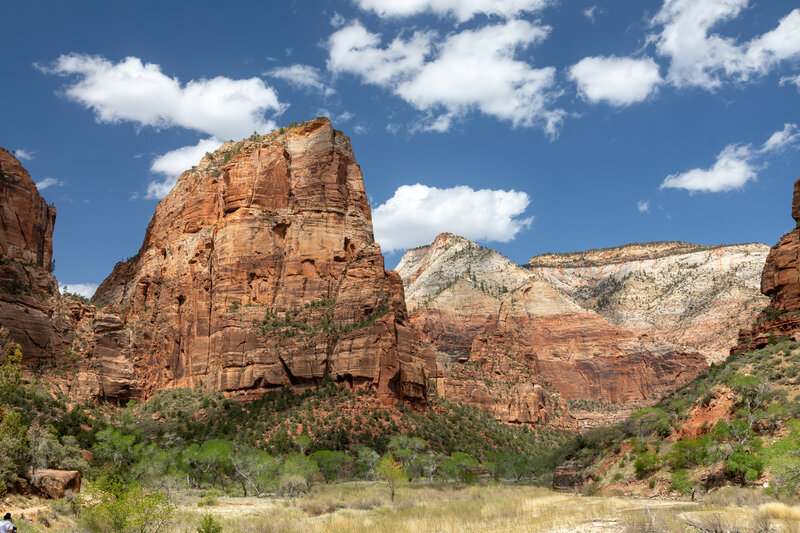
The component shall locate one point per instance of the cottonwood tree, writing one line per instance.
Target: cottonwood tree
(391, 473)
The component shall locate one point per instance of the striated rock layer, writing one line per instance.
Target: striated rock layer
(461, 294)
(780, 281)
(26, 251)
(694, 296)
(259, 270)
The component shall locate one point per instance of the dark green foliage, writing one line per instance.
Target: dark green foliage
(687, 453)
(646, 463)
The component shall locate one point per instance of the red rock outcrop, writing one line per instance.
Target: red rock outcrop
(26, 250)
(780, 280)
(502, 378)
(259, 270)
(55, 483)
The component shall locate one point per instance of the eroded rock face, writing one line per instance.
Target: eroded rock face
(26, 249)
(465, 298)
(780, 281)
(502, 377)
(259, 270)
(693, 296)
(55, 483)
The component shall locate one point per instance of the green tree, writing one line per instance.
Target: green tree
(255, 469)
(10, 369)
(646, 463)
(784, 461)
(330, 463)
(13, 448)
(389, 471)
(114, 507)
(365, 462)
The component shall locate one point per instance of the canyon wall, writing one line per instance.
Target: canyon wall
(258, 270)
(617, 328)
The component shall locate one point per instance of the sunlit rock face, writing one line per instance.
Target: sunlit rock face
(625, 325)
(258, 270)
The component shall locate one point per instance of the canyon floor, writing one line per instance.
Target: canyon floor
(445, 507)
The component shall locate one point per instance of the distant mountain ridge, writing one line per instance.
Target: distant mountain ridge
(621, 325)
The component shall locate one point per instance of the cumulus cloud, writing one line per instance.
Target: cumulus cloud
(618, 81)
(732, 169)
(416, 214)
(173, 163)
(48, 182)
(590, 13)
(472, 70)
(355, 50)
(141, 93)
(302, 77)
(780, 140)
(735, 165)
(462, 10)
(699, 57)
(86, 290)
(23, 154)
(643, 207)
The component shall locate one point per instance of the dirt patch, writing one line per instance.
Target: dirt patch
(702, 418)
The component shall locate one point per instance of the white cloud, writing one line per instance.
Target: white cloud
(643, 207)
(337, 20)
(303, 77)
(732, 169)
(416, 214)
(84, 289)
(173, 163)
(472, 70)
(462, 10)
(141, 93)
(355, 50)
(590, 13)
(780, 140)
(23, 154)
(735, 165)
(48, 182)
(791, 79)
(701, 58)
(618, 81)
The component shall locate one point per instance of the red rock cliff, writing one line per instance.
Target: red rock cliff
(259, 270)
(26, 250)
(780, 280)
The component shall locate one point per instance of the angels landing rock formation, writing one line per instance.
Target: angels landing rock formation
(259, 270)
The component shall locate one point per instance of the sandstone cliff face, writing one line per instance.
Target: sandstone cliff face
(26, 249)
(459, 293)
(502, 377)
(780, 281)
(259, 270)
(693, 296)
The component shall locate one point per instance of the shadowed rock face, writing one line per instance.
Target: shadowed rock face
(780, 281)
(259, 270)
(26, 250)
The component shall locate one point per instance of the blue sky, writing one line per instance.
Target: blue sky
(527, 125)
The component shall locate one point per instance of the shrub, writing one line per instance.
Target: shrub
(292, 485)
(679, 480)
(209, 524)
(646, 463)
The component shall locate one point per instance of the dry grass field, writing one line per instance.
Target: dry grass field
(448, 508)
